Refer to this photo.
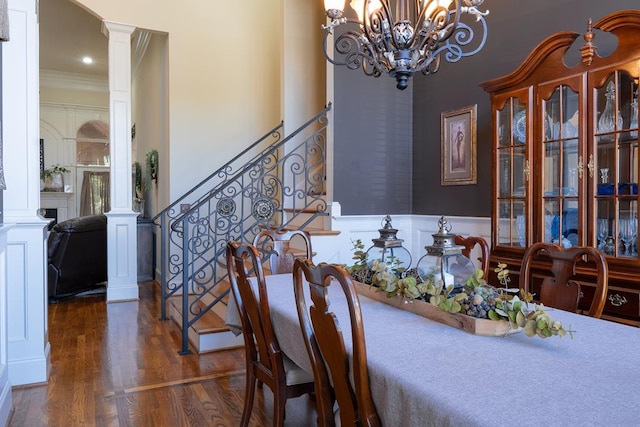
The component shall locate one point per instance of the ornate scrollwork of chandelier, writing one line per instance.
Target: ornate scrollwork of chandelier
(414, 40)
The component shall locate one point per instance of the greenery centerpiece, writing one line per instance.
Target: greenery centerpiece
(478, 299)
(359, 270)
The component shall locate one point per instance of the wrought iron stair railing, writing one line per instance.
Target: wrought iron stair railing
(282, 186)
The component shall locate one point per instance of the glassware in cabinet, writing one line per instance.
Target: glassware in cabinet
(616, 154)
(563, 168)
(512, 173)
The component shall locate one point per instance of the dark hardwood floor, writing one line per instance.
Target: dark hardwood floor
(118, 365)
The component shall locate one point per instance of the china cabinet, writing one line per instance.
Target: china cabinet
(565, 164)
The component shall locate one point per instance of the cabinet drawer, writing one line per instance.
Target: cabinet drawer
(622, 303)
(619, 302)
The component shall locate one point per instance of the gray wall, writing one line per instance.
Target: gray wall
(372, 157)
(373, 135)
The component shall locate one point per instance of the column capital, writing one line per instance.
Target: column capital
(111, 28)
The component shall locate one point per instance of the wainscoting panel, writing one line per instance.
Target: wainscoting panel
(17, 292)
(415, 230)
(28, 348)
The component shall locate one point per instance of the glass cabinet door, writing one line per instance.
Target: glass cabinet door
(616, 166)
(562, 174)
(512, 173)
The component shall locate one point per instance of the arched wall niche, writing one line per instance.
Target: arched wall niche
(92, 144)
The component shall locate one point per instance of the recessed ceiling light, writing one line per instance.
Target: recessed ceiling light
(87, 60)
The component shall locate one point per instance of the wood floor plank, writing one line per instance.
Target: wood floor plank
(117, 365)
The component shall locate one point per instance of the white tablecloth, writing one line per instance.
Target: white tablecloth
(425, 373)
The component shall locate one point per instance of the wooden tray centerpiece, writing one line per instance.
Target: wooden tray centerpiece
(500, 311)
(386, 280)
(485, 327)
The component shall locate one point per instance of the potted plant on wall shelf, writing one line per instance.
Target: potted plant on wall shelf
(140, 188)
(152, 168)
(52, 179)
(143, 180)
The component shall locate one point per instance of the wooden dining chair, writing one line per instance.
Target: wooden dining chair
(559, 290)
(276, 244)
(333, 368)
(469, 244)
(265, 363)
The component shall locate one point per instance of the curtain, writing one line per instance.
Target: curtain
(95, 194)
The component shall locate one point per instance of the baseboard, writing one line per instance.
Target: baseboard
(122, 293)
(5, 396)
(218, 341)
(31, 371)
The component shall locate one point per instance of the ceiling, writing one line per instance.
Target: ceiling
(67, 33)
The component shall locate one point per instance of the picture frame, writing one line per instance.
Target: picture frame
(458, 140)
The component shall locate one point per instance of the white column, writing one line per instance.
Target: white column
(28, 347)
(5, 384)
(121, 219)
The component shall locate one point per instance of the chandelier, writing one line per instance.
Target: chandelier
(414, 40)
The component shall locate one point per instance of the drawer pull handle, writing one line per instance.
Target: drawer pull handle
(616, 300)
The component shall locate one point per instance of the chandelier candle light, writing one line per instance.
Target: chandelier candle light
(408, 42)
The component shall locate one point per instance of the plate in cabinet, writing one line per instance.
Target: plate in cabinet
(520, 127)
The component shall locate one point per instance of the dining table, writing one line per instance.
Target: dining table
(425, 373)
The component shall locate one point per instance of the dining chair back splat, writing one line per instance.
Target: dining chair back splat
(560, 291)
(265, 363)
(276, 244)
(469, 244)
(326, 347)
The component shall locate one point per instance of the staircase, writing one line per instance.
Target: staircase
(277, 182)
(209, 332)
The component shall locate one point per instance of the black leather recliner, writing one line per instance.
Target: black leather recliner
(77, 252)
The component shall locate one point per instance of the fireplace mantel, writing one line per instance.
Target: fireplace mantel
(56, 200)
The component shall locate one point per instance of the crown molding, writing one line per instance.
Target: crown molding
(63, 80)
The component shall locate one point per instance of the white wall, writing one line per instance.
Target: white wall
(149, 113)
(303, 64)
(224, 76)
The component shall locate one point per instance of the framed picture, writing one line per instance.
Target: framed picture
(458, 133)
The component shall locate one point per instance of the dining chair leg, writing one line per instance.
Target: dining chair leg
(279, 405)
(249, 393)
(325, 403)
